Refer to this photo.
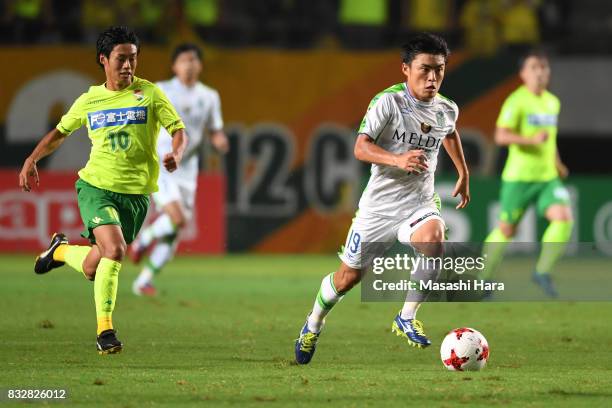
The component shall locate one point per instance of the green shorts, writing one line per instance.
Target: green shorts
(103, 207)
(516, 196)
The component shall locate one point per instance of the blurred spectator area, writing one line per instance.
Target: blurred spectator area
(482, 26)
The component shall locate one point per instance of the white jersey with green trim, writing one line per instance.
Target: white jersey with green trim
(398, 122)
(199, 106)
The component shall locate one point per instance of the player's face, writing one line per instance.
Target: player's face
(187, 67)
(424, 75)
(120, 65)
(536, 73)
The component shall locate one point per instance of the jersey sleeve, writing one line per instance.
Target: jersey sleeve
(165, 112)
(215, 119)
(454, 113)
(558, 104)
(377, 116)
(510, 115)
(74, 118)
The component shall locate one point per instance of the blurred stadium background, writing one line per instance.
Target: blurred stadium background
(295, 78)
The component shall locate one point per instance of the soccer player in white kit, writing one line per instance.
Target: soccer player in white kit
(401, 134)
(199, 107)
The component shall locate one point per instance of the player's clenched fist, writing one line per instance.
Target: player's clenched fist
(539, 137)
(412, 160)
(171, 161)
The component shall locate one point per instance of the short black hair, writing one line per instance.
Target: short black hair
(186, 47)
(112, 36)
(424, 43)
(533, 52)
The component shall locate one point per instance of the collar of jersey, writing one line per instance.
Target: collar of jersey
(414, 100)
(177, 83)
(533, 95)
(129, 88)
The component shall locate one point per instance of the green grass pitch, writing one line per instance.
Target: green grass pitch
(222, 332)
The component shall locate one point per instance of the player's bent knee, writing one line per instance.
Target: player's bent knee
(180, 222)
(508, 230)
(176, 214)
(114, 251)
(559, 213)
(429, 242)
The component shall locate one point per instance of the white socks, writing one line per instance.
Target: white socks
(414, 298)
(409, 310)
(145, 277)
(327, 297)
(160, 228)
(161, 254)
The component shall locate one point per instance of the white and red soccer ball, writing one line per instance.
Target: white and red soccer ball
(464, 349)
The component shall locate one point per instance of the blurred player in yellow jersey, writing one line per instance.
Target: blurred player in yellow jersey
(123, 117)
(527, 124)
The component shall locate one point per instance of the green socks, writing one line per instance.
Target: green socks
(554, 241)
(493, 251)
(74, 256)
(105, 283)
(105, 292)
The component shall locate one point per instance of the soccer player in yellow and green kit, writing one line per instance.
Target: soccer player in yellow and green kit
(527, 124)
(123, 117)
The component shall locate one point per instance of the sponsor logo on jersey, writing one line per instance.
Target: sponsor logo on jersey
(440, 119)
(138, 94)
(416, 139)
(135, 115)
(542, 119)
(425, 127)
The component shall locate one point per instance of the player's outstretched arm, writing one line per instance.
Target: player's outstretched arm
(452, 145)
(172, 160)
(45, 147)
(506, 137)
(367, 150)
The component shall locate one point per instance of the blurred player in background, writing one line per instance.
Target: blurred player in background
(527, 124)
(123, 117)
(401, 134)
(200, 108)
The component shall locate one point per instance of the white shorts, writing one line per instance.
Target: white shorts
(383, 232)
(176, 187)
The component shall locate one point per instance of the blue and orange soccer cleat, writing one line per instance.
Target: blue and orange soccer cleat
(306, 345)
(411, 330)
